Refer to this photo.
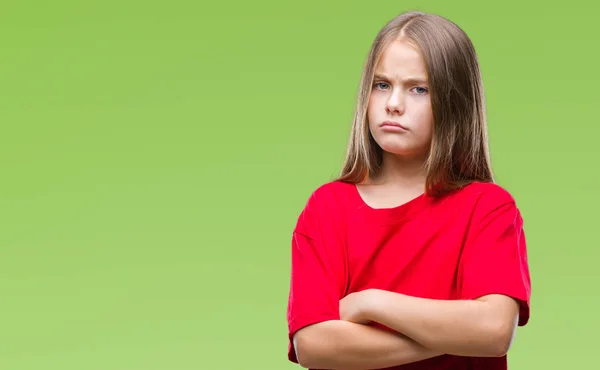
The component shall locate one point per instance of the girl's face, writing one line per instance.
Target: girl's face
(399, 110)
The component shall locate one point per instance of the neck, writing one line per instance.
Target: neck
(401, 171)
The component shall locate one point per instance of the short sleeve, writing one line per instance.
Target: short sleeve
(494, 259)
(316, 274)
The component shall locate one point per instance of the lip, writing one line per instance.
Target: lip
(393, 124)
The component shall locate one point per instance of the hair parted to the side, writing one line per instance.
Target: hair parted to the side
(459, 151)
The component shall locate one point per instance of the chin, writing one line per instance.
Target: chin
(401, 150)
(398, 152)
(395, 146)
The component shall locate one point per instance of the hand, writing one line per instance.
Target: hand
(353, 307)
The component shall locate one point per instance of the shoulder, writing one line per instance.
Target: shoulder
(481, 199)
(330, 194)
(490, 201)
(325, 204)
(487, 192)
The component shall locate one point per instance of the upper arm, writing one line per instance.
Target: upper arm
(504, 308)
(317, 274)
(494, 262)
(304, 342)
(502, 318)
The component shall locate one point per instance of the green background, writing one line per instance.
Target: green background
(155, 157)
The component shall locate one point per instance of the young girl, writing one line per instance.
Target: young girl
(413, 258)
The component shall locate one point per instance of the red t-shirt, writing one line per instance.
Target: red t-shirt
(465, 245)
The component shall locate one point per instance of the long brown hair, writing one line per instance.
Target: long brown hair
(459, 151)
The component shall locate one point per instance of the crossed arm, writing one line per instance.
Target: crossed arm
(424, 328)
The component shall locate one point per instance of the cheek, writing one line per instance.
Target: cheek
(427, 120)
(428, 126)
(425, 117)
(371, 109)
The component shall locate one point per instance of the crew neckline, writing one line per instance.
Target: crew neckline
(390, 214)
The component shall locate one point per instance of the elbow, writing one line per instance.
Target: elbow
(305, 353)
(315, 345)
(501, 338)
(500, 325)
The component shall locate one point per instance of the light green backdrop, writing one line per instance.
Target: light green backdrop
(155, 157)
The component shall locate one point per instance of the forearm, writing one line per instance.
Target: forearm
(462, 328)
(346, 345)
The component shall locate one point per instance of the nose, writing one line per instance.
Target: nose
(395, 103)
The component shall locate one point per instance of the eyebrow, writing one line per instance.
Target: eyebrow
(408, 80)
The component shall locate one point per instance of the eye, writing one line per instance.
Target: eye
(381, 83)
(421, 90)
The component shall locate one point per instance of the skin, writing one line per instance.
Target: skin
(421, 328)
(483, 327)
(400, 93)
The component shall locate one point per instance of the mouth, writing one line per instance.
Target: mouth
(393, 124)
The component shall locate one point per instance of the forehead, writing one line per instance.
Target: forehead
(401, 59)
